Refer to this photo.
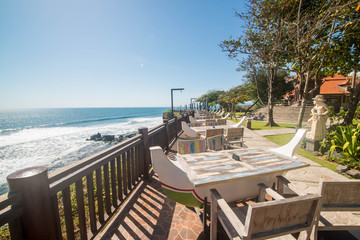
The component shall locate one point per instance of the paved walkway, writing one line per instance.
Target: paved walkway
(152, 215)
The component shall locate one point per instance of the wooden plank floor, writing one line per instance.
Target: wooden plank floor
(152, 215)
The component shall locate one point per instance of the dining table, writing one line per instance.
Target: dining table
(235, 165)
(201, 129)
(234, 173)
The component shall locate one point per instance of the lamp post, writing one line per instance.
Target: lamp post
(172, 106)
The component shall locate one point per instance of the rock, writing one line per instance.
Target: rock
(336, 154)
(353, 173)
(108, 138)
(316, 153)
(95, 137)
(130, 135)
(342, 169)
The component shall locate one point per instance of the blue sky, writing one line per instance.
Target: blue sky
(114, 53)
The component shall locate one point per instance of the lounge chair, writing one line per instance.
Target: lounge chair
(264, 220)
(189, 133)
(290, 148)
(226, 116)
(240, 122)
(173, 179)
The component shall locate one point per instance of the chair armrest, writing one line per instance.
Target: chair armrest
(265, 189)
(228, 213)
(281, 181)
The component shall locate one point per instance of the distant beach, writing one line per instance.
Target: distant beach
(57, 137)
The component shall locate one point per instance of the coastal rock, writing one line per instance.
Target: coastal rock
(95, 137)
(108, 138)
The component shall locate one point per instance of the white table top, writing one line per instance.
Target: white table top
(216, 167)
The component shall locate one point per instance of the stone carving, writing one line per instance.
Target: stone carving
(318, 119)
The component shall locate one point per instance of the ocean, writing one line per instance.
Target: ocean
(57, 137)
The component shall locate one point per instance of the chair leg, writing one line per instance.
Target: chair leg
(213, 219)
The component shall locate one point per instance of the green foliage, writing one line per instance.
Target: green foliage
(345, 139)
(280, 87)
(211, 96)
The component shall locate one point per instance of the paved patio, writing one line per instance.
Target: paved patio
(152, 215)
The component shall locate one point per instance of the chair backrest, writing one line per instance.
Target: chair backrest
(215, 143)
(213, 132)
(340, 195)
(281, 217)
(234, 133)
(194, 124)
(188, 131)
(192, 119)
(226, 116)
(290, 148)
(240, 122)
(210, 122)
(221, 121)
(191, 146)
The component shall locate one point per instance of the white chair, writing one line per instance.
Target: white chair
(192, 119)
(290, 148)
(173, 179)
(188, 131)
(240, 122)
(226, 116)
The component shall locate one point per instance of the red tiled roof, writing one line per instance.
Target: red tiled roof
(336, 77)
(333, 87)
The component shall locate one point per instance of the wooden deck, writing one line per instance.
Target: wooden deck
(150, 214)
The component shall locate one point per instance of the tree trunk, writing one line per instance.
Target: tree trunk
(303, 103)
(271, 76)
(353, 101)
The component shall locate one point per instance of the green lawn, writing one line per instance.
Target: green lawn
(282, 139)
(260, 125)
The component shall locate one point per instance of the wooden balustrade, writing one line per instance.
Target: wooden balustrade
(84, 195)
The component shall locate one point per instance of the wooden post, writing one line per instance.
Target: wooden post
(38, 218)
(144, 132)
(166, 122)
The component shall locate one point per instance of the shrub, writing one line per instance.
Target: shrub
(345, 140)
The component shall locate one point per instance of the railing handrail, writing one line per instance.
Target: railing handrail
(84, 171)
(133, 153)
(55, 176)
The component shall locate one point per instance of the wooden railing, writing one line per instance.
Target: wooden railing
(80, 199)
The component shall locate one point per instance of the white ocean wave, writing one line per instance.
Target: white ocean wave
(57, 147)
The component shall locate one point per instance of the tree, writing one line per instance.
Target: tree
(211, 97)
(310, 28)
(235, 96)
(259, 86)
(263, 41)
(345, 53)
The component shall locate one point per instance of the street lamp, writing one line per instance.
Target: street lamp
(172, 106)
